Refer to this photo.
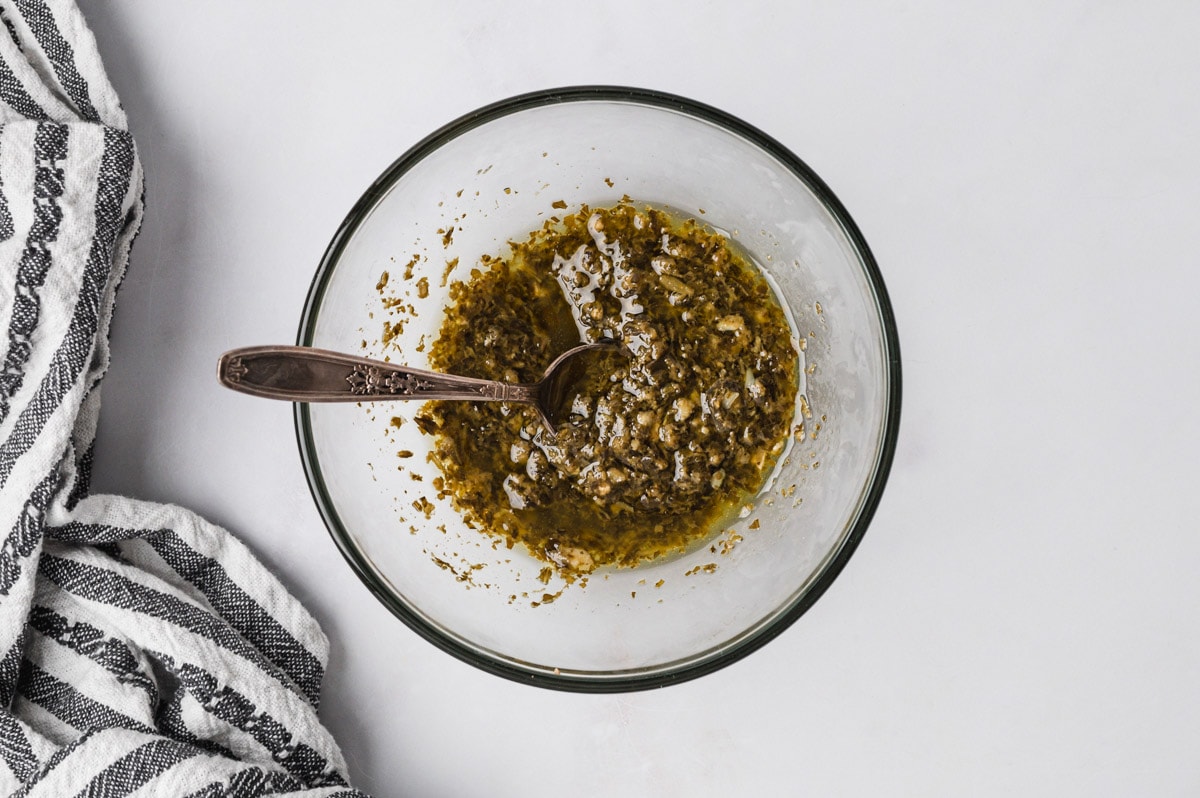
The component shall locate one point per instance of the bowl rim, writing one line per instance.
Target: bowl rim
(635, 679)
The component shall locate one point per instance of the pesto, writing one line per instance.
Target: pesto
(660, 447)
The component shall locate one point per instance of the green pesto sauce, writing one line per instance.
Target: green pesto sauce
(662, 446)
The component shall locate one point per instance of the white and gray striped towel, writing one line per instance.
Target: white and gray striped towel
(143, 651)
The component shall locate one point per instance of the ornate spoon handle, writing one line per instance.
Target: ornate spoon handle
(302, 374)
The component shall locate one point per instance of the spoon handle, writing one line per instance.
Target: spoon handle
(303, 374)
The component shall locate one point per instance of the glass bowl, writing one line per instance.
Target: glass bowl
(494, 176)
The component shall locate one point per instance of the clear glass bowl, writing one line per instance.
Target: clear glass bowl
(495, 175)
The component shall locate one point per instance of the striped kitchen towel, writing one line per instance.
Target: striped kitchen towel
(143, 651)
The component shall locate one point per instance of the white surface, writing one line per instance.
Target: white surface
(1022, 617)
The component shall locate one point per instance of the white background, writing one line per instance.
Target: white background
(1022, 618)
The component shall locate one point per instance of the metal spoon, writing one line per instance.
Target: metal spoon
(303, 374)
